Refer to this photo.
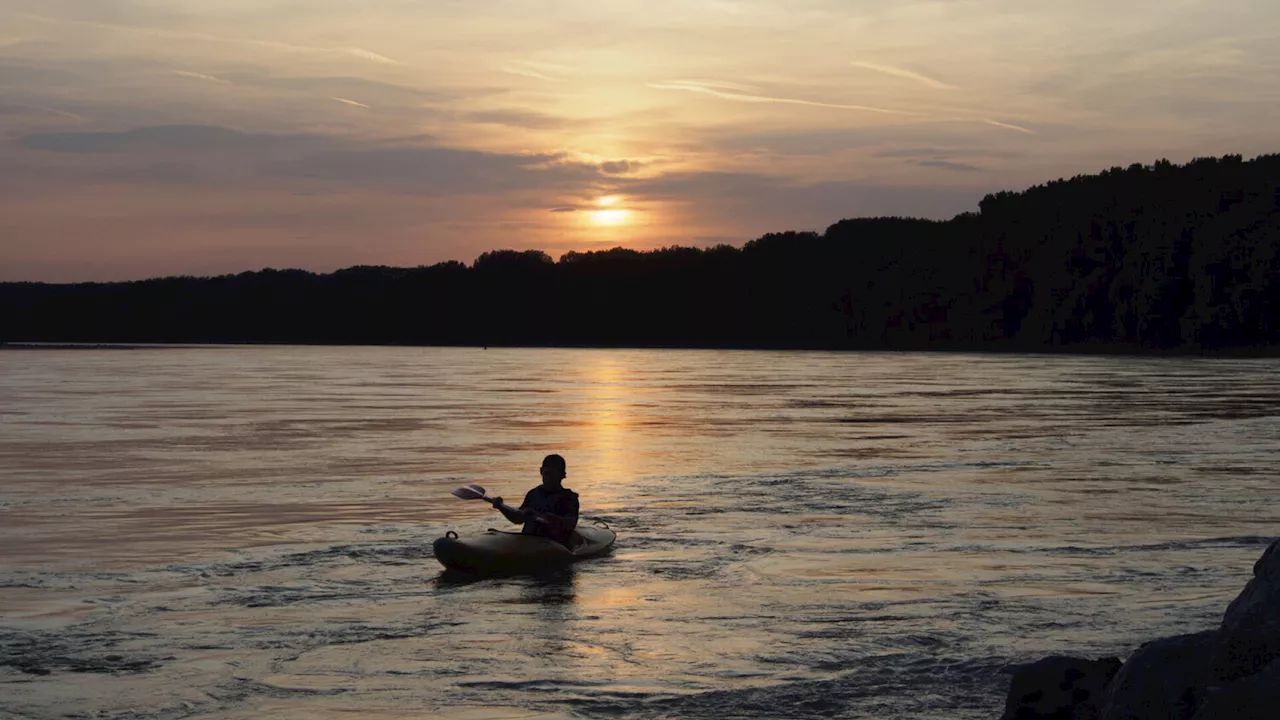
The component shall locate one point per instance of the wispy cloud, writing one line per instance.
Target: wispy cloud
(712, 89)
(744, 97)
(1007, 126)
(947, 153)
(368, 55)
(903, 73)
(184, 139)
(538, 71)
(750, 200)
(201, 76)
(345, 101)
(286, 47)
(911, 152)
(63, 113)
(948, 165)
(442, 170)
(356, 52)
(516, 118)
(717, 84)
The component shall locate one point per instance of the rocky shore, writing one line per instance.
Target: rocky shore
(1229, 673)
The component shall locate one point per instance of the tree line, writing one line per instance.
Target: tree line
(1160, 257)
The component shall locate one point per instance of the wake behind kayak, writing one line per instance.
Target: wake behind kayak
(504, 553)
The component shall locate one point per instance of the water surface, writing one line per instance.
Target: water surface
(245, 532)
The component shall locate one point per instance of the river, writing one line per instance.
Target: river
(245, 532)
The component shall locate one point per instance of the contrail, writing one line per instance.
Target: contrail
(1020, 129)
(899, 72)
(368, 55)
(539, 70)
(742, 97)
(201, 76)
(690, 86)
(527, 73)
(717, 84)
(351, 102)
(63, 113)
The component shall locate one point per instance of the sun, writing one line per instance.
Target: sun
(609, 214)
(610, 217)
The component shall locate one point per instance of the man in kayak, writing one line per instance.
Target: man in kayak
(549, 510)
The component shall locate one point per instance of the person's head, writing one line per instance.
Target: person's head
(552, 470)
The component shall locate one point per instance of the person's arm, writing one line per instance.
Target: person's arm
(515, 515)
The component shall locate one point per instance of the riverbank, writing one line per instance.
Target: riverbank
(1228, 673)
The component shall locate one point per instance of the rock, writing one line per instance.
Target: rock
(1249, 638)
(1059, 688)
(1162, 680)
(1256, 697)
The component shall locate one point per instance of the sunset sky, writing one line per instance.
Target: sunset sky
(156, 137)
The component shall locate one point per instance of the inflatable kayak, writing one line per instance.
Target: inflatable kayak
(497, 552)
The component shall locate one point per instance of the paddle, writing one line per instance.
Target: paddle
(473, 492)
(476, 492)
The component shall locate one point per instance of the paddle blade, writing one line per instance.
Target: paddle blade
(469, 493)
(477, 488)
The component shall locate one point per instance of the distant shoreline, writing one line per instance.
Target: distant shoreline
(92, 346)
(1152, 261)
(1146, 261)
(1264, 352)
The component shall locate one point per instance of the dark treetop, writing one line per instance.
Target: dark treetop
(1145, 258)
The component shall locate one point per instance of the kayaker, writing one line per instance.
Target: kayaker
(549, 510)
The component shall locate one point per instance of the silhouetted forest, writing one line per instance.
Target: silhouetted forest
(1159, 257)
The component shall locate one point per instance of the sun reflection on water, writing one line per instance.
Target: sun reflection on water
(605, 430)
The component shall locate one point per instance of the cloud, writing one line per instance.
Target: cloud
(718, 85)
(517, 118)
(407, 165)
(17, 74)
(565, 209)
(170, 174)
(710, 89)
(1007, 126)
(62, 113)
(384, 94)
(902, 73)
(536, 70)
(907, 139)
(367, 55)
(796, 142)
(620, 167)
(922, 138)
(159, 139)
(441, 170)
(200, 76)
(948, 165)
(937, 153)
(527, 73)
(345, 101)
(742, 97)
(911, 152)
(754, 202)
(351, 52)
